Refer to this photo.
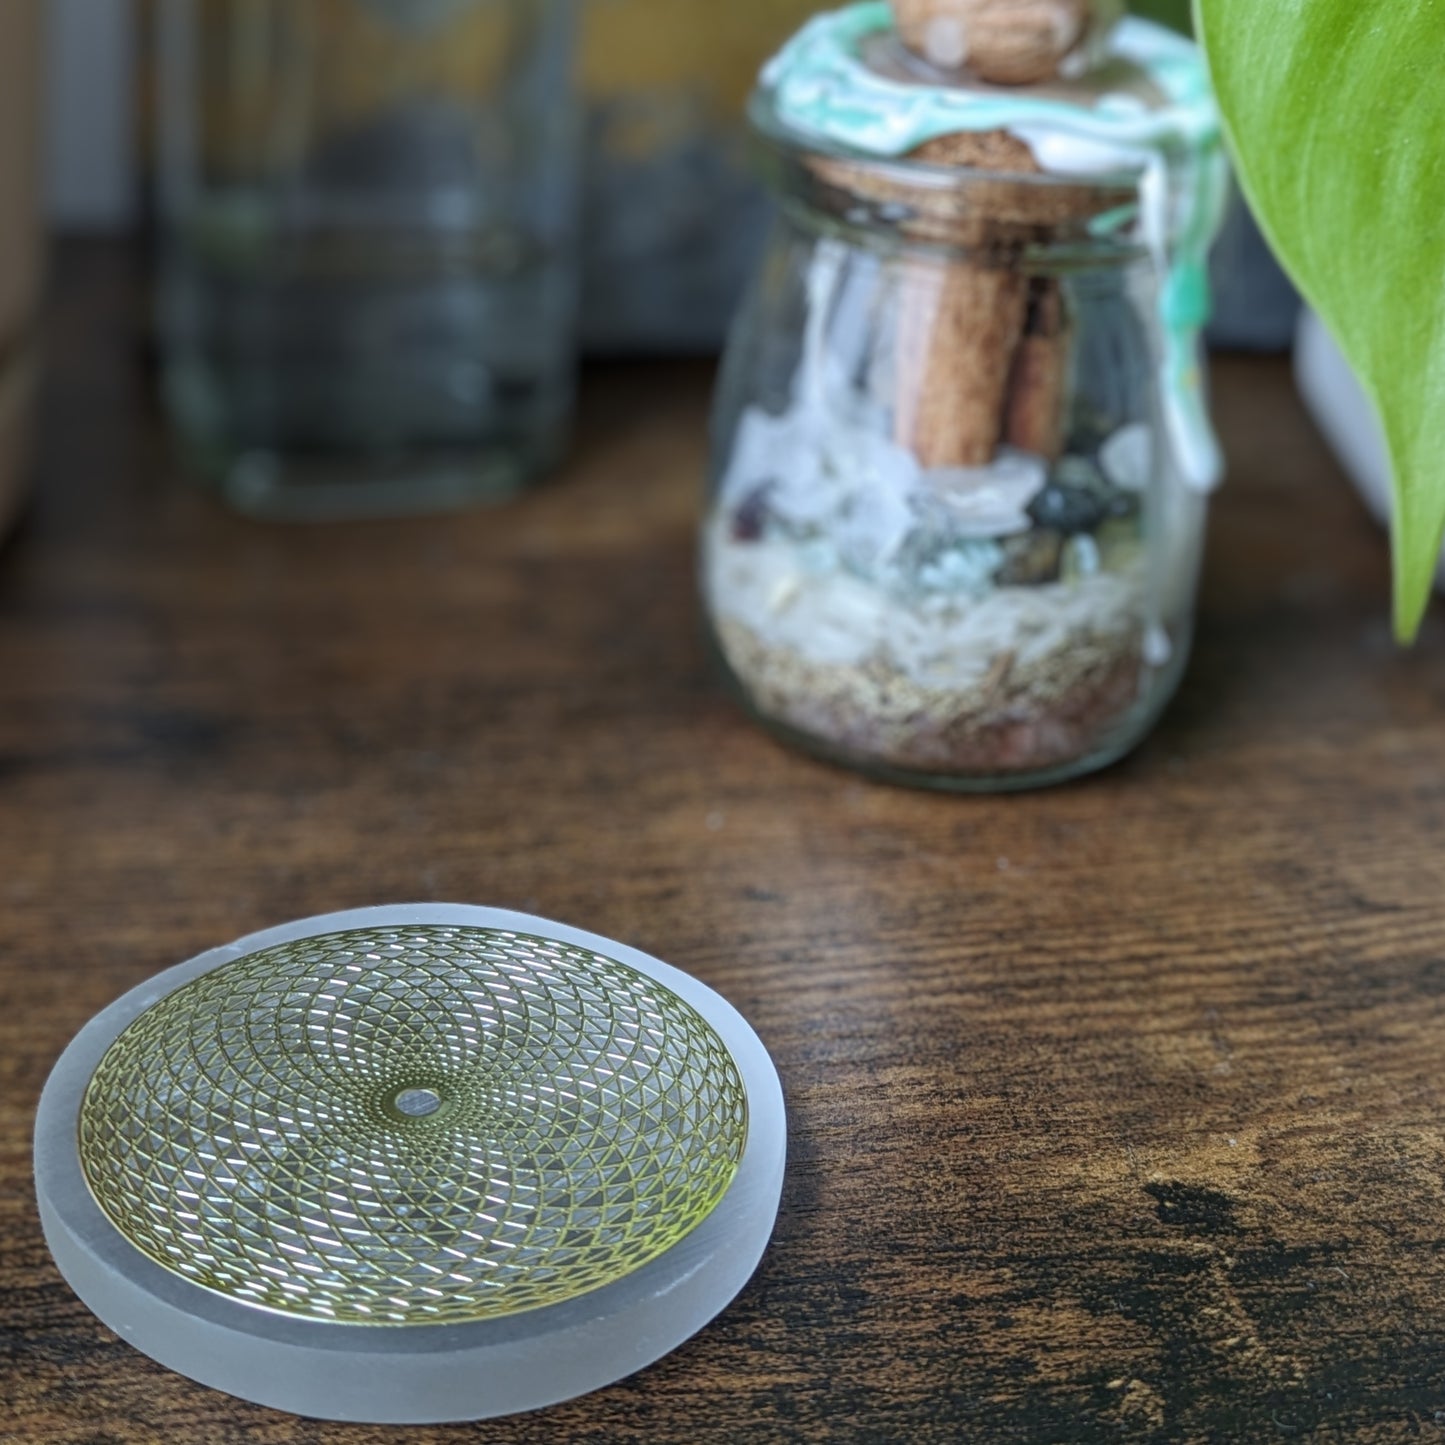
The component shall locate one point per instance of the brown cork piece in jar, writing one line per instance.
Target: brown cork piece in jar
(959, 328)
(961, 323)
(1036, 413)
(966, 310)
(983, 351)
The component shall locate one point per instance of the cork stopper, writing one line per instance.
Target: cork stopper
(1007, 42)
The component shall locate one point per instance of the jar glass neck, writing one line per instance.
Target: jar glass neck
(997, 216)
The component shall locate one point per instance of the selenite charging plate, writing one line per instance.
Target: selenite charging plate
(411, 1164)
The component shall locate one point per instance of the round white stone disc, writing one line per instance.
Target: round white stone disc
(411, 1164)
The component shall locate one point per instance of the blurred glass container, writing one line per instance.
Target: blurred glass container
(368, 272)
(962, 449)
(675, 217)
(20, 243)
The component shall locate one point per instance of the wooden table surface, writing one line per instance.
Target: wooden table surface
(1117, 1112)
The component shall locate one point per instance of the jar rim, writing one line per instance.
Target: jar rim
(994, 216)
(772, 130)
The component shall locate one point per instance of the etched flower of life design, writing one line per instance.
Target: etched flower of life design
(413, 1125)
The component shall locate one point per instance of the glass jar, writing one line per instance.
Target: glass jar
(949, 539)
(368, 270)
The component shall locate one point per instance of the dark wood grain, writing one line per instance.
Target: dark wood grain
(1118, 1112)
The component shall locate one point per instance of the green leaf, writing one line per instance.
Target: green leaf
(1335, 113)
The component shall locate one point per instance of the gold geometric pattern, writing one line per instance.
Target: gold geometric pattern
(413, 1125)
